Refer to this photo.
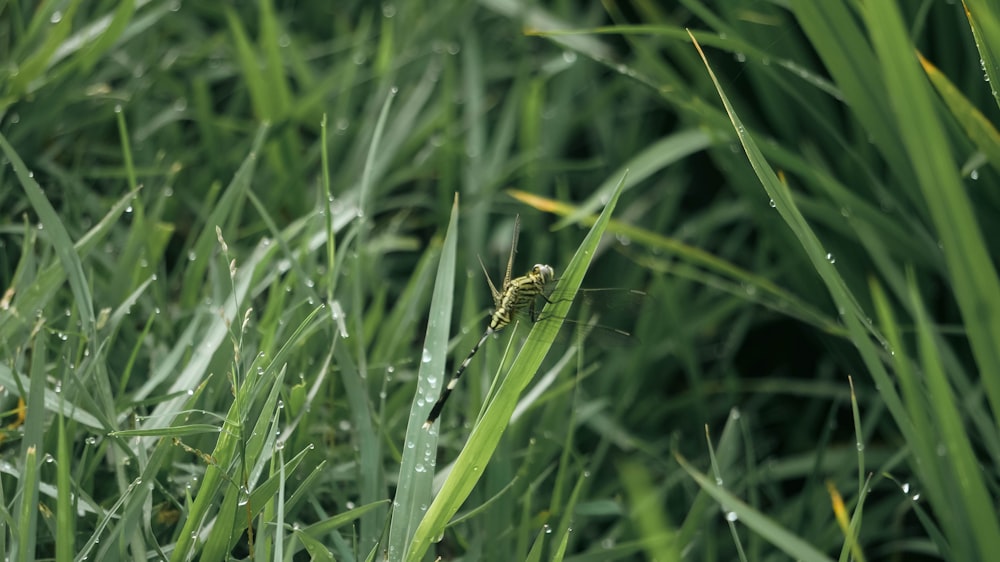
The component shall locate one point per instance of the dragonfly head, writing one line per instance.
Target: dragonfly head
(546, 272)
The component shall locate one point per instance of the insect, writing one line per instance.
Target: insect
(513, 296)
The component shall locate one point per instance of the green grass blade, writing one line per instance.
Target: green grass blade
(842, 44)
(977, 126)
(645, 506)
(985, 27)
(851, 313)
(970, 267)
(58, 236)
(416, 469)
(65, 508)
(469, 465)
(770, 529)
(655, 158)
(976, 505)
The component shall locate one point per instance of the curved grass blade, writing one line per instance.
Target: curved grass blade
(470, 464)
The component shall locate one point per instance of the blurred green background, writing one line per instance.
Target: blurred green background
(238, 256)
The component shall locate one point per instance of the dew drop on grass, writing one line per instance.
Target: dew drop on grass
(425, 356)
(244, 496)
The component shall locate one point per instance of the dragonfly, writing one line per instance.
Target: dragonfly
(515, 296)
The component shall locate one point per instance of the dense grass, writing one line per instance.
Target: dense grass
(239, 255)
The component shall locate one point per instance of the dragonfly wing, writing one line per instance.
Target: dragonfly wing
(513, 250)
(497, 295)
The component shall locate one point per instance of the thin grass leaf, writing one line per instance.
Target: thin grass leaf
(966, 471)
(861, 333)
(760, 523)
(58, 236)
(658, 156)
(65, 512)
(985, 26)
(925, 440)
(227, 206)
(27, 512)
(979, 129)
(843, 45)
(564, 529)
(111, 32)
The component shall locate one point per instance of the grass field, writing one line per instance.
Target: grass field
(238, 261)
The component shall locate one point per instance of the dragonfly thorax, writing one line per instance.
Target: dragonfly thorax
(519, 294)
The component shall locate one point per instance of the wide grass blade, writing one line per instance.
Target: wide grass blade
(469, 466)
(969, 264)
(416, 469)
